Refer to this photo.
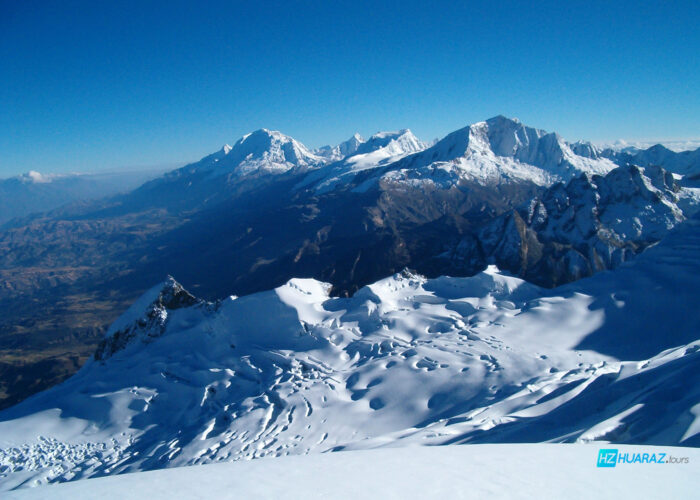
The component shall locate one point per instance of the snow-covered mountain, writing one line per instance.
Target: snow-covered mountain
(496, 151)
(573, 230)
(340, 151)
(256, 160)
(677, 145)
(406, 360)
(383, 148)
(392, 144)
(586, 149)
(686, 163)
(265, 157)
(260, 152)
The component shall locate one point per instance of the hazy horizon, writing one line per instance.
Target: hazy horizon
(91, 87)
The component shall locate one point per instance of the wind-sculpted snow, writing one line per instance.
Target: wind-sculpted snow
(406, 360)
(514, 471)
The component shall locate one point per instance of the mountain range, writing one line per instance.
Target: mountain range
(34, 192)
(254, 215)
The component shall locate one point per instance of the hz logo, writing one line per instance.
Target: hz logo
(611, 457)
(607, 458)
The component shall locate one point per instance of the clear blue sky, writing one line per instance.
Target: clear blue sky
(92, 85)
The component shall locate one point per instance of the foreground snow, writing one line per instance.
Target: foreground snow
(406, 361)
(476, 471)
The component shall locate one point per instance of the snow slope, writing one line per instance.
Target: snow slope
(406, 360)
(483, 471)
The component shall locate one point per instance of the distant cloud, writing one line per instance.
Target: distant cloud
(37, 177)
(34, 177)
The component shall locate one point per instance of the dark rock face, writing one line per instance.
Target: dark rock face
(151, 323)
(572, 231)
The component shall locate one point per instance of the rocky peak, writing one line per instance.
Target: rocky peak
(146, 319)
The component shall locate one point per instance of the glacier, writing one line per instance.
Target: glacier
(518, 471)
(405, 361)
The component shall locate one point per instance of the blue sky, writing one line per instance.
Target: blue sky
(90, 86)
